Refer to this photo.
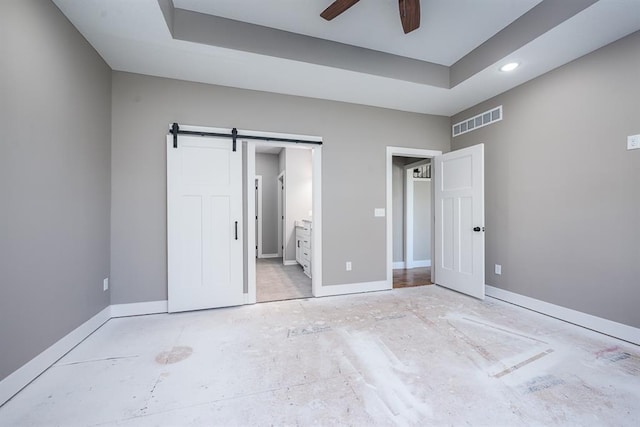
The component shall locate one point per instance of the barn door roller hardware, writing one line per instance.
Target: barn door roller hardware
(234, 135)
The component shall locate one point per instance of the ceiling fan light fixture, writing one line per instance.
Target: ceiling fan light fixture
(509, 67)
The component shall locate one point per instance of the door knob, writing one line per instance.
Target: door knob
(478, 229)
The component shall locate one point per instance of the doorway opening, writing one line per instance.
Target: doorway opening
(410, 219)
(286, 264)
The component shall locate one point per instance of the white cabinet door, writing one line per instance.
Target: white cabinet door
(204, 223)
(459, 220)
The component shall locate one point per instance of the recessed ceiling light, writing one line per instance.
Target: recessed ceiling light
(510, 66)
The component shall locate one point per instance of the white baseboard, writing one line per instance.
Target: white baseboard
(290, 262)
(36, 366)
(420, 263)
(399, 265)
(138, 308)
(269, 256)
(353, 288)
(598, 324)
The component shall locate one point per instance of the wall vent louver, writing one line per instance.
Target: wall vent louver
(476, 122)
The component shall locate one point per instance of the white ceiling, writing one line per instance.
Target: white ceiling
(132, 35)
(449, 28)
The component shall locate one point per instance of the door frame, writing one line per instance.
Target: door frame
(409, 198)
(258, 215)
(282, 214)
(407, 152)
(316, 208)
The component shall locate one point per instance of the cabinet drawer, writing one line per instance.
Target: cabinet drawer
(305, 243)
(307, 268)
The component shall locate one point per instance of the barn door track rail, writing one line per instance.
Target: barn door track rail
(234, 135)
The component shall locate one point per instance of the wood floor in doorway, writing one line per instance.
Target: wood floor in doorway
(407, 278)
(277, 282)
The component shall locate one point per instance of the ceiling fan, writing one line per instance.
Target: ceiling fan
(409, 12)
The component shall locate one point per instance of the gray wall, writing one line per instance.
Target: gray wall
(267, 167)
(55, 115)
(422, 220)
(354, 137)
(298, 191)
(562, 197)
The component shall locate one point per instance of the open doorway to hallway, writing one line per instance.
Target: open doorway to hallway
(412, 215)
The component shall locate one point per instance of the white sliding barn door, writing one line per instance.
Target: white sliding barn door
(459, 220)
(204, 223)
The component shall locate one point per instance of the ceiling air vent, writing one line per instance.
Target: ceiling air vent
(481, 120)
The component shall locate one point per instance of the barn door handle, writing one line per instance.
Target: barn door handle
(478, 229)
(236, 230)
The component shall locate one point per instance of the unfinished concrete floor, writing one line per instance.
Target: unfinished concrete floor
(415, 356)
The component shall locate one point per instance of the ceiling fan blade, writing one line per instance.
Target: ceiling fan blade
(336, 8)
(409, 14)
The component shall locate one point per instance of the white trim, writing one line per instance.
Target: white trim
(282, 211)
(420, 263)
(316, 228)
(400, 151)
(598, 324)
(138, 308)
(269, 256)
(258, 214)
(352, 288)
(290, 262)
(401, 265)
(250, 295)
(20, 378)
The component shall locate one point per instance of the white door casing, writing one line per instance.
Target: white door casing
(459, 209)
(258, 225)
(204, 223)
(282, 212)
(405, 152)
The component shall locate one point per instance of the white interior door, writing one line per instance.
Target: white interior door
(204, 223)
(459, 220)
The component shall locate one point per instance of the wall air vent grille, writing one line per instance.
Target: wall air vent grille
(481, 120)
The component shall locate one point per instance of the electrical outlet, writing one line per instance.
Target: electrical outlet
(105, 284)
(633, 142)
(348, 265)
(498, 269)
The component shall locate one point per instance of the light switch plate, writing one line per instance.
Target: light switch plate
(498, 269)
(633, 142)
(105, 284)
(378, 212)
